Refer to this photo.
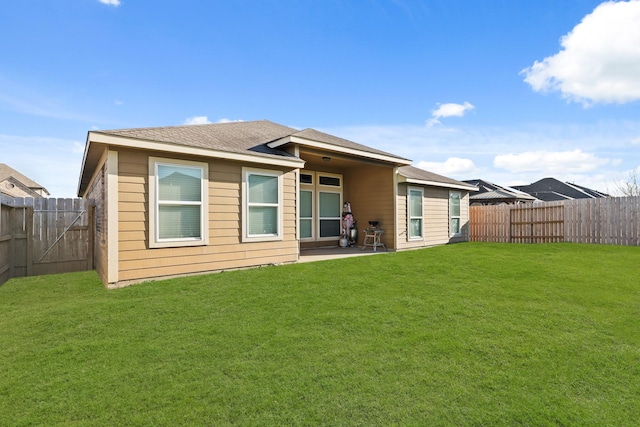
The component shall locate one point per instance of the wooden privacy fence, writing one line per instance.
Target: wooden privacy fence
(43, 236)
(611, 220)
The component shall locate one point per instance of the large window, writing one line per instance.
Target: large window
(306, 214)
(329, 205)
(415, 213)
(262, 205)
(178, 210)
(320, 205)
(454, 213)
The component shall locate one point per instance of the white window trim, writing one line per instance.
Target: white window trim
(311, 218)
(318, 175)
(303, 186)
(246, 238)
(451, 216)
(316, 189)
(409, 217)
(321, 218)
(154, 240)
(321, 188)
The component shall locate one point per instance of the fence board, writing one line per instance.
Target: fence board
(600, 221)
(43, 236)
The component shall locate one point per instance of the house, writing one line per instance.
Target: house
(551, 189)
(15, 184)
(194, 199)
(493, 194)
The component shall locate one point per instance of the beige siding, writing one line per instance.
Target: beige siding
(370, 189)
(225, 250)
(436, 218)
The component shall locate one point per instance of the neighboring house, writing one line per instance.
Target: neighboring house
(493, 194)
(194, 199)
(551, 189)
(15, 184)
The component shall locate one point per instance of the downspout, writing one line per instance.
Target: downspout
(395, 208)
(296, 152)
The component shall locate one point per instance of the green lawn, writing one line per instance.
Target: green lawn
(466, 334)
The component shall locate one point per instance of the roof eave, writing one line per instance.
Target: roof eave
(460, 186)
(291, 139)
(82, 168)
(196, 151)
(94, 137)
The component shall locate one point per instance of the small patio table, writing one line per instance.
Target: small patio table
(372, 238)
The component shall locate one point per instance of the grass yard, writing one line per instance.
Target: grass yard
(467, 334)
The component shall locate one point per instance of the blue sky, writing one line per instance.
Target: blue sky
(507, 91)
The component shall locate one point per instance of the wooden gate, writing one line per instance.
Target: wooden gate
(62, 236)
(45, 236)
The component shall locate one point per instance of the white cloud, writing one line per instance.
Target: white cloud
(115, 3)
(636, 141)
(229, 121)
(197, 120)
(449, 110)
(118, 102)
(453, 166)
(550, 162)
(600, 58)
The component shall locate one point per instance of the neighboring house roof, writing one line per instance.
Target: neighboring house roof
(552, 196)
(15, 184)
(413, 175)
(551, 189)
(594, 193)
(493, 193)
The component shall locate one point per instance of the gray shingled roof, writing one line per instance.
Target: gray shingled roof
(7, 171)
(340, 142)
(235, 137)
(412, 172)
(500, 194)
(238, 137)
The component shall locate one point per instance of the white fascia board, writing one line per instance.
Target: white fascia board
(437, 184)
(335, 148)
(84, 163)
(193, 151)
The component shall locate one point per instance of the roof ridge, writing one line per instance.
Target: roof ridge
(184, 125)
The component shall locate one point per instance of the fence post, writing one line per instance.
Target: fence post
(28, 226)
(12, 241)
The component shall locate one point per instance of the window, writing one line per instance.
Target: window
(329, 205)
(330, 181)
(262, 201)
(306, 214)
(454, 213)
(306, 178)
(306, 206)
(320, 206)
(178, 212)
(415, 213)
